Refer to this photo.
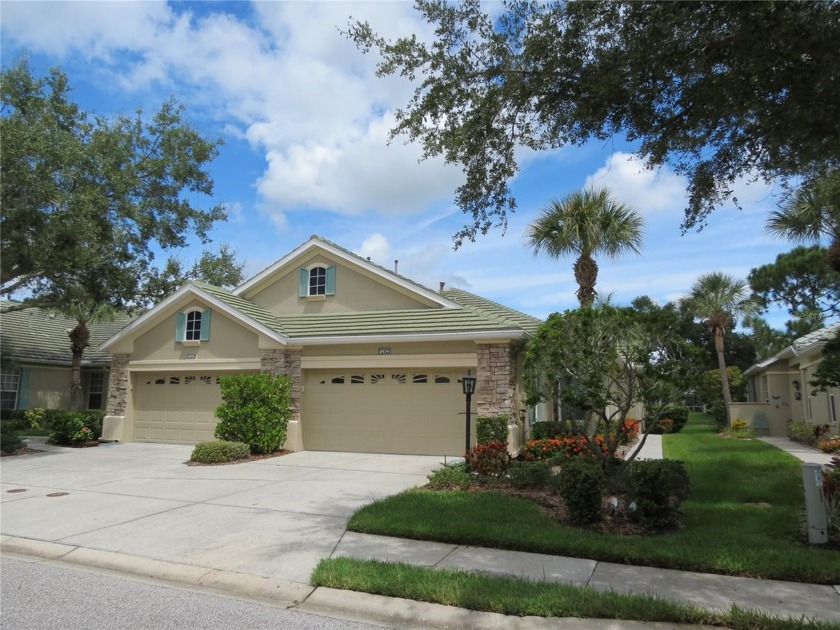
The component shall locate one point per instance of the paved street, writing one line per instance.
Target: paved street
(41, 596)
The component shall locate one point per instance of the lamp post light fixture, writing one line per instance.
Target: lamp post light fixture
(468, 385)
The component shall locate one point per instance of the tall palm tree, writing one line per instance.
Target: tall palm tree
(83, 313)
(586, 223)
(809, 215)
(721, 301)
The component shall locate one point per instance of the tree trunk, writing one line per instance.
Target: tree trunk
(586, 275)
(724, 377)
(79, 340)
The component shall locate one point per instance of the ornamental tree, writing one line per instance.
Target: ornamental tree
(605, 360)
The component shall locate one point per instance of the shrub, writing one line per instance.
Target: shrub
(678, 415)
(630, 430)
(491, 429)
(549, 448)
(831, 496)
(450, 476)
(663, 425)
(581, 483)
(739, 425)
(219, 452)
(255, 410)
(9, 439)
(657, 487)
(525, 474)
(806, 433)
(831, 445)
(490, 458)
(35, 418)
(75, 427)
(546, 430)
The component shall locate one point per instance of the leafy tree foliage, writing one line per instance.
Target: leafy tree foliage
(718, 89)
(721, 301)
(586, 223)
(827, 374)
(803, 282)
(605, 360)
(85, 198)
(222, 269)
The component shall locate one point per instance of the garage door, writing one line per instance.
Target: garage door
(417, 412)
(177, 408)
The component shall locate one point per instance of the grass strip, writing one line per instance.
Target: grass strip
(515, 596)
(743, 517)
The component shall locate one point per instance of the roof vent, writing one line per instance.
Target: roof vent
(442, 284)
(396, 266)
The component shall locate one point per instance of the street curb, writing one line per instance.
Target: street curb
(350, 605)
(271, 590)
(408, 613)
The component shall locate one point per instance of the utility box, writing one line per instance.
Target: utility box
(815, 508)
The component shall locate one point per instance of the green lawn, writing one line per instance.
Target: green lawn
(515, 596)
(743, 517)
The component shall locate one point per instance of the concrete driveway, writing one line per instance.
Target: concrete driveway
(273, 518)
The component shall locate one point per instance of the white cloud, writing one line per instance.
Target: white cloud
(377, 249)
(649, 190)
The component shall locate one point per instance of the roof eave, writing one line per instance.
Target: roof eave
(484, 335)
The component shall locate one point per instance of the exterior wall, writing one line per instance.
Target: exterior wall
(228, 340)
(818, 405)
(287, 363)
(496, 386)
(354, 291)
(768, 418)
(49, 387)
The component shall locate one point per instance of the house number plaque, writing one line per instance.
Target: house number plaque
(383, 351)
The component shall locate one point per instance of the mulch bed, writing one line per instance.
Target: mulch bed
(24, 450)
(250, 458)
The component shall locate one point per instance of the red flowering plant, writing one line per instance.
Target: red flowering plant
(570, 446)
(489, 458)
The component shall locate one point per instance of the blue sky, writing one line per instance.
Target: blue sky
(305, 123)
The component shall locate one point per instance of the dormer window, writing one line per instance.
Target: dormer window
(193, 326)
(317, 280)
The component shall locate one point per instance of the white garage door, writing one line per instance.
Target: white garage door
(177, 408)
(418, 411)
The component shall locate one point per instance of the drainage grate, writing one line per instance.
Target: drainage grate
(58, 494)
(14, 490)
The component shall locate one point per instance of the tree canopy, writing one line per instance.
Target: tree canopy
(718, 90)
(803, 282)
(85, 198)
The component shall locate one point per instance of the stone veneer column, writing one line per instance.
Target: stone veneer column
(118, 385)
(286, 363)
(496, 373)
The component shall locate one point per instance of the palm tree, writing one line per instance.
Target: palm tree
(721, 301)
(812, 213)
(83, 313)
(586, 223)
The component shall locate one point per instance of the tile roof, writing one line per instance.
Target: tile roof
(241, 305)
(815, 338)
(493, 310)
(40, 335)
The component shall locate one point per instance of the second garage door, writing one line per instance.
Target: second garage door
(418, 412)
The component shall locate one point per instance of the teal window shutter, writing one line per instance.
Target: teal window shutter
(205, 325)
(180, 326)
(304, 283)
(331, 280)
(23, 389)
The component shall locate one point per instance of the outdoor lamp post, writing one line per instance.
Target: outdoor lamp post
(468, 384)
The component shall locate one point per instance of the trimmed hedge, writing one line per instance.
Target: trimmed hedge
(9, 440)
(491, 429)
(581, 483)
(255, 409)
(658, 488)
(546, 430)
(220, 452)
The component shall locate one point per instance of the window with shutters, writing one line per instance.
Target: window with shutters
(192, 326)
(317, 281)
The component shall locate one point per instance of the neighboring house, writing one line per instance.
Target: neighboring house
(779, 390)
(374, 358)
(36, 360)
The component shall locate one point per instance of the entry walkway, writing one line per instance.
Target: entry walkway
(801, 452)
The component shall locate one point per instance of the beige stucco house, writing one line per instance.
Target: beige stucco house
(779, 389)
(36, 360)
(374, 358)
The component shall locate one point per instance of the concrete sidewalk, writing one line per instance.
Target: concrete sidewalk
(801, 452)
